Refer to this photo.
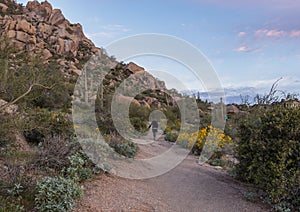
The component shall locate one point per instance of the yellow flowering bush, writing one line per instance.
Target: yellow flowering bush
(172, 130)
(211, 136)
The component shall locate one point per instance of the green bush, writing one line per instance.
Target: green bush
(6, 130)
(29, 80)
(172, 130)
(56, 194)
(16, 188)
(80, 168)
(217, 162)
(139, 124)
(171, 135)
(40, 123)
(139, 117)
(11, 204)
(268, 151)
(122, 146)
(127, 149)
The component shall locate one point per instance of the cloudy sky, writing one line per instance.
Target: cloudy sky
(249, 43)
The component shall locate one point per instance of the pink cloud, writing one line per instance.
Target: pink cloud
(274, 33)
(270, 33)
(295, 33)
(241, 34)
(241, 49)
(246, 49)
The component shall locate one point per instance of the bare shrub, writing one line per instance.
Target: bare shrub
(54, 153)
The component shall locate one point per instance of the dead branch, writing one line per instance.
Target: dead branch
(25, 94)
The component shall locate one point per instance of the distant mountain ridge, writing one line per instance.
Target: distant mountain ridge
(232, 95)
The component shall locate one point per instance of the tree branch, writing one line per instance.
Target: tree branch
(25, 94)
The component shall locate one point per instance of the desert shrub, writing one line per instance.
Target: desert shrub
(13, 181)
(105, 123)
(139, 117)
(171, 135)
(40, 123)
(30, 81)
(6, 130)
(213, 138)
(268, 153)
(122, 146)
(139, 124)
(127, 149)
(217, 162)
(205, 120)
(80, 168)
(16, 189)
(172, 130)
(54, 153)
(11, 204)
(56, 194)
(58, 97)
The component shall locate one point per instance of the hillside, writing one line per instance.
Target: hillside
(42, 56)
(42, 31)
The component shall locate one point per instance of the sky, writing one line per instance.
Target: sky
(249, 43)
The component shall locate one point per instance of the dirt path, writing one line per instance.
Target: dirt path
(188, 187)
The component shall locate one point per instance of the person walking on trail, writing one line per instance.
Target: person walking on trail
(154, 125)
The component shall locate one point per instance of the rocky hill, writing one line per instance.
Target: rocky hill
(40, 29)
(43, 31)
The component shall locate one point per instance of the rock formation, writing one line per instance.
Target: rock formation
(11, 109)
(44, 30)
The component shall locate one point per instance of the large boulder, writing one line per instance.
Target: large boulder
(12, 25)
(119, 98)
(25, 38)
(11, 34)
(56, 17)
(74, 69)
(3, 7)
(134, 68)
(46, 6)
(23, 25)
(32, 5)
(44, 28)
(47, 54)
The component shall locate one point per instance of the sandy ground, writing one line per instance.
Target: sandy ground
(188, 187)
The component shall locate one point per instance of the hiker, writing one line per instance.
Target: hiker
(154, 125)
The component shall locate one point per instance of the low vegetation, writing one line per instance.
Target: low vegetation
(56, 194)
(268, 153)
(41, 162)
(211, 137)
